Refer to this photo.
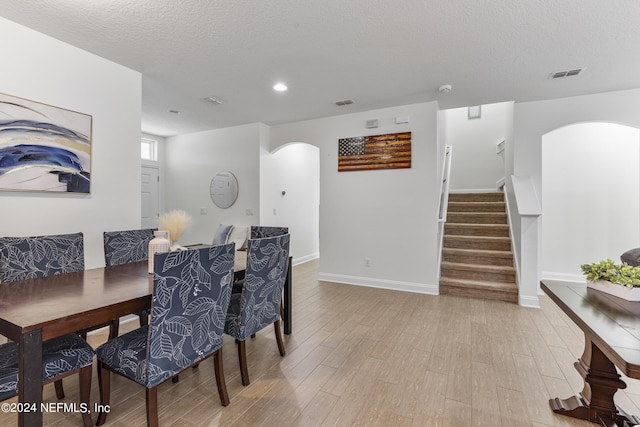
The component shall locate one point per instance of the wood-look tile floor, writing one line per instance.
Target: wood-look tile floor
(371, 357)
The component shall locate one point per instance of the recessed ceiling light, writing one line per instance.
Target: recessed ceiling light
(280, 87)
(175, 111)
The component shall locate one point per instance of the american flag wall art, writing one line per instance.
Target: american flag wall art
(388, 151)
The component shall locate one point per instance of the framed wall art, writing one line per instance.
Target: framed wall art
(43, 148)
(388, 151)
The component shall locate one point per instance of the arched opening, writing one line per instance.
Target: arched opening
(290, 195)
(590, 196)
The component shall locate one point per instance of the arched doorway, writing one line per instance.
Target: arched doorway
(590, 196)
(290, 196)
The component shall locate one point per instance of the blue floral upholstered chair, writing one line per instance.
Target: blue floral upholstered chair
(61, 357)
(124, 247)
(23, 258)
(40, 256)
(191, 293)
(258, 303)
(261, 231)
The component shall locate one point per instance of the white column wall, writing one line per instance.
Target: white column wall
(43, 69)
(385, 216)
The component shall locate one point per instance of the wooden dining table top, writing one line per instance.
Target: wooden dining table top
(69, 302)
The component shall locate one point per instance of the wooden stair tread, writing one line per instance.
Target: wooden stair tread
(477, 238)
(473, 224)
(490, 214)
(479, 284)
(483, 252)
(475, 197)
(478, 267)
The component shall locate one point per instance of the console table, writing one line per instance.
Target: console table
(611, 329)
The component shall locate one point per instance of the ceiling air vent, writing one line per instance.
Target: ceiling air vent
(568, 73)
(345, 102)
(214, 100)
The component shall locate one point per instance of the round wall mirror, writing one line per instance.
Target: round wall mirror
(224, 189)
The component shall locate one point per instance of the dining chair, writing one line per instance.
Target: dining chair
(191, 293)
(124, 247)
(61, 357)
(258, 303)
(127, 246)
(23, 258)
(40, 256)
(261, 231)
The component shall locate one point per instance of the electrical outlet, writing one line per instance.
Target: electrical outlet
(367, 262)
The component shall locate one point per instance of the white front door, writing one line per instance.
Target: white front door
(150, 197)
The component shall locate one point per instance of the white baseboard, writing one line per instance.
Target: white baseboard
(306, 258)
(565, 277)
(530, 302)
(123, 320)
(420, 288)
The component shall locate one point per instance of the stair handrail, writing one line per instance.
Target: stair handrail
(444, 185)
(444, 200)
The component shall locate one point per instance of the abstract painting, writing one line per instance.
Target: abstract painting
(43, 148)
(388, 151)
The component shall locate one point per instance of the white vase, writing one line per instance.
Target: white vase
(160, 243)
(620, 291)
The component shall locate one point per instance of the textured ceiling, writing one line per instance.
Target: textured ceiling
(379, 53)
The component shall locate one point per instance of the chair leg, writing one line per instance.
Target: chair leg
(152, 407)
(114, 328)
(59, 389)
(220, 381)
(104, 382)
(278, 331)
(242, 358)
(144, 318)
(85, 394)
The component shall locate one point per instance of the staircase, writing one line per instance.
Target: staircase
(476, 257)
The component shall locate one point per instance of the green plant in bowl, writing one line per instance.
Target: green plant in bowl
(620, 274)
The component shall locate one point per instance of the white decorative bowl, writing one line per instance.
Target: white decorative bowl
(620, 291)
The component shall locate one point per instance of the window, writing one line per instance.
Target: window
(149, 149)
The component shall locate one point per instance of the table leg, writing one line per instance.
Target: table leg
(30, 374)
(595, 402)
(288, 285)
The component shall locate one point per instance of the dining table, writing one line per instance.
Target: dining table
(40, 309)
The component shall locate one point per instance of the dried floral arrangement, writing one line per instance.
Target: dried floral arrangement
(175, 222)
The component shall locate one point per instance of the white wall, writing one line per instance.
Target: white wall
(192, 160)
(475, 164)
(294, 169)
(591, 196)
(43, 69)
(387, 216)
(534, 119)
